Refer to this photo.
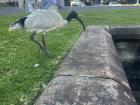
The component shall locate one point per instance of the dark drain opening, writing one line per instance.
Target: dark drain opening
(129, 53)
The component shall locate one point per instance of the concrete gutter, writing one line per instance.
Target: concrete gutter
(91, 74)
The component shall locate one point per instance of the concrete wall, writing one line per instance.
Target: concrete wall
(125, 32)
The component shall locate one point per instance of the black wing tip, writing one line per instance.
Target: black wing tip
(21, 21)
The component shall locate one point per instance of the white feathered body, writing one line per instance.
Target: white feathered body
(42, 20)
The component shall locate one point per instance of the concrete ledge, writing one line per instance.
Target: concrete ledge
(91, 74)
(94, 55)
(71, 90)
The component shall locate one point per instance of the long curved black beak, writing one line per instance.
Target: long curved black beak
(74, 15)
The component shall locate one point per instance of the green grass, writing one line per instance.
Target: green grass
(20, 81)
(116, 17)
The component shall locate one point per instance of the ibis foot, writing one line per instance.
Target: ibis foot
(45, 51)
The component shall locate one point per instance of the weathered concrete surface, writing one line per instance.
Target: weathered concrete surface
(72, 90)
(91, 74)
(94, 55)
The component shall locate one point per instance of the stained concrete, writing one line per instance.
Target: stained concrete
(91, 74)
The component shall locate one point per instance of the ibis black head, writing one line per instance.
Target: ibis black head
(74, 15)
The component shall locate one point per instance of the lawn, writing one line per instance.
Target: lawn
(21, 82)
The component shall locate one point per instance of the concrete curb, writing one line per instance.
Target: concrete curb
(91, 74)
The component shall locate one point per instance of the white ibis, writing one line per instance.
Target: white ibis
(43, 21)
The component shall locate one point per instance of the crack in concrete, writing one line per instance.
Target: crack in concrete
(88, 76)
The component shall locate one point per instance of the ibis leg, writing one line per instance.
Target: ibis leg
(44, 44)
(33, 39)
